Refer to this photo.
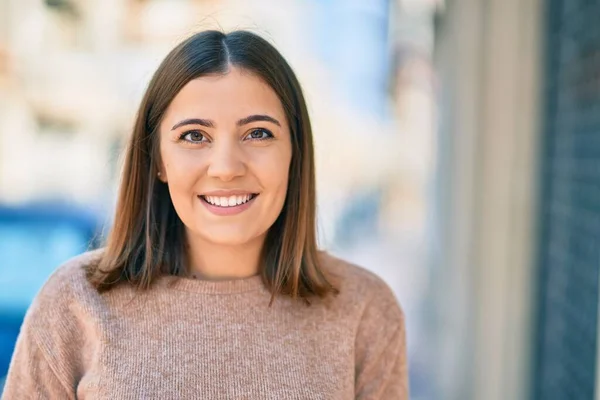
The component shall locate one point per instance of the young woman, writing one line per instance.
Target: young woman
(211, 285)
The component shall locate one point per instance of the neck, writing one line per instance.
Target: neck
(212, 261)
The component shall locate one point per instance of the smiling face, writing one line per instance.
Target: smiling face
(225, 151)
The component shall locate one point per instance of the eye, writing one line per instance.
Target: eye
(193, 137)
(259, 134)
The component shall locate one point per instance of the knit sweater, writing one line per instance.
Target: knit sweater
(199, 339)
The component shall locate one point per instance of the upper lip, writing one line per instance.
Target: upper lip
(227, 193)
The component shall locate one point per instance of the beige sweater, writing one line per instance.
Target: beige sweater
(210, 340)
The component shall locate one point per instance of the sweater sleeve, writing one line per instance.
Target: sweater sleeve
(46, 363)
(31, 375)
(381, 361)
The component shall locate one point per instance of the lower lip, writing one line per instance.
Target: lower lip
(217, 210)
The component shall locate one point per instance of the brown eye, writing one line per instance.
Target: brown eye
(260, 134)
(193, 136)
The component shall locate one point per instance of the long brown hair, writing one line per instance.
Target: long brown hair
(147, 237)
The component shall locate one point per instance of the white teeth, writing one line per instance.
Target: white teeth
(230, 201)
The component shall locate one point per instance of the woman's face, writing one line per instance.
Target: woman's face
(225, 148)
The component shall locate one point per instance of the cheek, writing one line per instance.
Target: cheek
(183, 170)
(273, 170)
(181, 165)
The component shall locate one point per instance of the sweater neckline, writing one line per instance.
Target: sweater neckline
(226, 286)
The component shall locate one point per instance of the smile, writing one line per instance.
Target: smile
(229, 201)
(228, 205)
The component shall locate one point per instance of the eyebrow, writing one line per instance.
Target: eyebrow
(257, 117)
(194, 121)
(210, 124)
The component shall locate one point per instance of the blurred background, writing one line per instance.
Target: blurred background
(458, 156)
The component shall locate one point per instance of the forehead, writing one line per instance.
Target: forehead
(234, 95)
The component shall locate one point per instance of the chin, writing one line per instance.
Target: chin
(228, 238)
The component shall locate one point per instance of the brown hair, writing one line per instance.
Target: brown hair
(147, 237)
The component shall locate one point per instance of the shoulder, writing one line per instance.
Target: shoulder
(65, 292)
(69, 279)
(363, 290)
(57, 332)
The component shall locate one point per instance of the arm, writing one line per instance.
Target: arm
(381, 362)
(46, 363)
(31, 375)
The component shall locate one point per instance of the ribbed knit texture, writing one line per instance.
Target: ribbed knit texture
(193, 339)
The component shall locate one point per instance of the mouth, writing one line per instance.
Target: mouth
(228, 201)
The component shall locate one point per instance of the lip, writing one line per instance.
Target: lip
(226, 211)
(227, 193)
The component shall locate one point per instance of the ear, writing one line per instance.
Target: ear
(156, 159)
(161, 174)
(161, 171)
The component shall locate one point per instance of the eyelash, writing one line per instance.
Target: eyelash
(184, 134)
(268, 132)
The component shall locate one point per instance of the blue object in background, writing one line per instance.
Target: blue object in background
(359, 218)
(352, 38)
(34, 240)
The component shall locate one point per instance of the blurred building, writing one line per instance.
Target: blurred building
(517, 218)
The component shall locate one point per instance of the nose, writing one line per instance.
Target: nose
(226, 161)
